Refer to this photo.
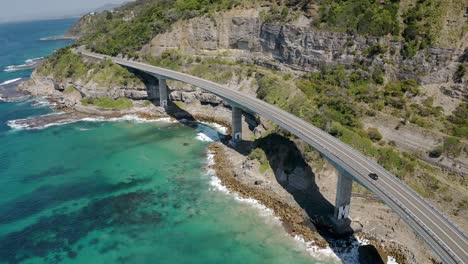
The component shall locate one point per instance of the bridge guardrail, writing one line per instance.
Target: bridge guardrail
(424, 201)
(422, 225)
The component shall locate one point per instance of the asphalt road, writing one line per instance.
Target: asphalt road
(446, 240)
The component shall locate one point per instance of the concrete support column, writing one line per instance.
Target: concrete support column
(163, 92)
(236, 124)
(343, 196)
(152, 90)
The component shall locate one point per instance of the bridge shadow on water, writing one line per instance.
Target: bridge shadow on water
(288, 165)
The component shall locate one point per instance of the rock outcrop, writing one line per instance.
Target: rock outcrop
(300, 46)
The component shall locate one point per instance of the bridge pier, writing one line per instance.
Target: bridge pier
(343, 196)
(236, 124)
(162, 92)
(342, 224)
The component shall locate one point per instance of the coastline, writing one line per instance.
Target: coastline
(292, 217)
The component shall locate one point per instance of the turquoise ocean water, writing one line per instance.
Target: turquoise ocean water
(117, 192)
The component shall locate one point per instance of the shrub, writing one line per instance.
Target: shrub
(378, 75)
(64, 64)
(458, 76)
(422, 24)
(361, 16)
(70, 89)
(108, 103)
(374, 134)
(259, 154)
(277, 14)
(375, 50)
(436, 152)
(452, 147)
(459, 119)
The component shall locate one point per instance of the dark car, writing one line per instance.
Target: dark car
(374, 176)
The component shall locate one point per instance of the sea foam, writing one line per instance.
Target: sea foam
(10, 81)
(210, 132)
(29, 64)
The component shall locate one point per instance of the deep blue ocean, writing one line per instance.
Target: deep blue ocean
(118, 192)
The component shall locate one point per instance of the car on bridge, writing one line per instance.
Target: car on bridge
(374, 176)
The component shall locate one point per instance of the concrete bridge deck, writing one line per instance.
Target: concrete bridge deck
(445, 238)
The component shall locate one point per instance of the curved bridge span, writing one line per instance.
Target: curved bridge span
(445, 238)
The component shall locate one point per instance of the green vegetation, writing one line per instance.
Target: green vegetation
(375, 50)
(212, 72)
(108, 73)
(460, 73)
(273, 89)
(278, 15)
(132, 26)
(259, 154)
(451, 147)
(459, 120)
(180, 104)
(171, 59)
(108, 103)
(64, 64)
(374, 134)
(422, 24)
(70, 89)
(368, 17)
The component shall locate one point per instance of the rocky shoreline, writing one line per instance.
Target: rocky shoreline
(293, 219)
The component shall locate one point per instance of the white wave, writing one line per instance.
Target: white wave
(204, 138)
(345, 254)
(348, 254)
(216, 185)
(391, 260)
(13, 124)
(209, 132)
(28, 63)
(128, 118)
(41, 103)
(31, 61)
(21, 124)
(10, 81)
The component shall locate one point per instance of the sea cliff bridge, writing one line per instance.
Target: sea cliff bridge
(444, 237)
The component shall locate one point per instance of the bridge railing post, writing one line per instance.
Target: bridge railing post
(236, 124)
(163, 98)
(343, 196)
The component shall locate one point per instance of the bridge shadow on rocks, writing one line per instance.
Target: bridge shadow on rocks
(294, 174)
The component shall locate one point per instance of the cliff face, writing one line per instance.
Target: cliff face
(302, 47)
